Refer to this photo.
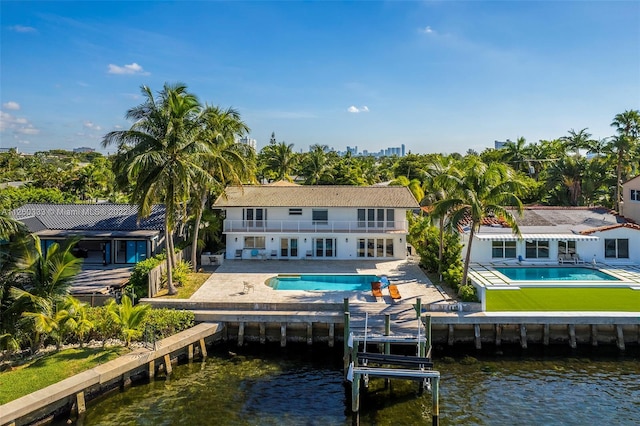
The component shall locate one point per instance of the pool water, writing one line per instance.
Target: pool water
(322, 282)
(555, 274)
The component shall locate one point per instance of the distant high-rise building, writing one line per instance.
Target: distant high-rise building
(248, 141)
(500, 144)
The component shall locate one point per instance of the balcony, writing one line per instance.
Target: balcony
(306, 226)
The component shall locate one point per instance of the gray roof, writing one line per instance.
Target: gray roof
(317, 196)
(89, 217)
(551, 219)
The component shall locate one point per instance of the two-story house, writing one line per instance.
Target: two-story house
(290, 221)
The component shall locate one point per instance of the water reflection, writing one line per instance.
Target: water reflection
(298, 386)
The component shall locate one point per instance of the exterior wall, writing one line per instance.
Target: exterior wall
(630, 208)
(481, 250)
(342, 227)
(619, 233)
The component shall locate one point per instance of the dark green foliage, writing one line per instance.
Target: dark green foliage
(166, 322)
(104, 327)
(139, 279)
(467, 293)
(425, 240)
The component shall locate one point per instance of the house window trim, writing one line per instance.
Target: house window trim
(634, 195)
(538, 247)
(617, 248)
(503, 249)
(320, 221)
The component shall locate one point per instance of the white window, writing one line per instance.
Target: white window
(537, 249)
(635, 195)
(503, 249)
(295, 212)
(375, 247)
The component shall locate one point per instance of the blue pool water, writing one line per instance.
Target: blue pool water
(555, 274)
(322, 282)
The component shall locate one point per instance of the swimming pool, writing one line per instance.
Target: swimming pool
(555, 274)
(313, 282)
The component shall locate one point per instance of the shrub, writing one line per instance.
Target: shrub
(166, 322)
(467, 293)
(104, 327)
(180, 273)
(139, 279)
(453, 275)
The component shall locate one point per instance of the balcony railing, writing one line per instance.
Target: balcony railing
(297, 226)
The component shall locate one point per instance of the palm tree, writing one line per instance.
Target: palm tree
(281, 160)
(515, 154)
(161, 157)
(436, 191)
(41, 281)
(230, 163)
(627, 126)
(482, 190)
(577, 140)
(128, 317)
(316, 165)
(8, 226)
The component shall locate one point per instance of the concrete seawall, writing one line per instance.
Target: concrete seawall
(76, 390)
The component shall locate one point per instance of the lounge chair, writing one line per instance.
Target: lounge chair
(376, 289)
(576, 259)
(247, 286)
(565, 257)
(393, 292)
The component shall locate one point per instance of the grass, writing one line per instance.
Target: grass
(563, 299)
(185, 291)
(51, 369)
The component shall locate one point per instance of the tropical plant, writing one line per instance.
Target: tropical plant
(627, 126)
(161, 155)
(230, 163)
(279, 159)
(128, 317)
(483, 191)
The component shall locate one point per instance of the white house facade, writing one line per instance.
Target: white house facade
(287, 221)
(558, 234)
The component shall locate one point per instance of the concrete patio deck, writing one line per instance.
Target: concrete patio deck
(226, 283)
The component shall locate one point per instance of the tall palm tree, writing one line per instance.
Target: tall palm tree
(438, 189)
(281, 160)
(316, 165)
(161, 157)
(577, 141)
(627, 126)
(515, 154)
(229, 163)
(483, 190)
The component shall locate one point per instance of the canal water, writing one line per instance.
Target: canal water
(302, 386)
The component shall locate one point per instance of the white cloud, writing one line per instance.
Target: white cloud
(11, 105)
(356, 110)
(127, 69)
(18, 125)
(23, 29)
(427, 30)
(92, 126)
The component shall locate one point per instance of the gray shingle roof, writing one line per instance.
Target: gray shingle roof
(91, 217)
(317, 196)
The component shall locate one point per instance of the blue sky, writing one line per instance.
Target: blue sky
(436, 76)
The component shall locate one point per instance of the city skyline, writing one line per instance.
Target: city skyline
(433, 76)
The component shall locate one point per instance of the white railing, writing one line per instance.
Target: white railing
(355, 226)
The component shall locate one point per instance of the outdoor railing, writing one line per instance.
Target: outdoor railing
(355, 226)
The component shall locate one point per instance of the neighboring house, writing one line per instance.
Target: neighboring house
(558, 234)
(630, 204)
(110, 233)
(288, 221)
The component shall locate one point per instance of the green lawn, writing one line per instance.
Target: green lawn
(563, 299)
(51, 369)
(195, 280)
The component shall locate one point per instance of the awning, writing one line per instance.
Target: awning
(536, 237)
